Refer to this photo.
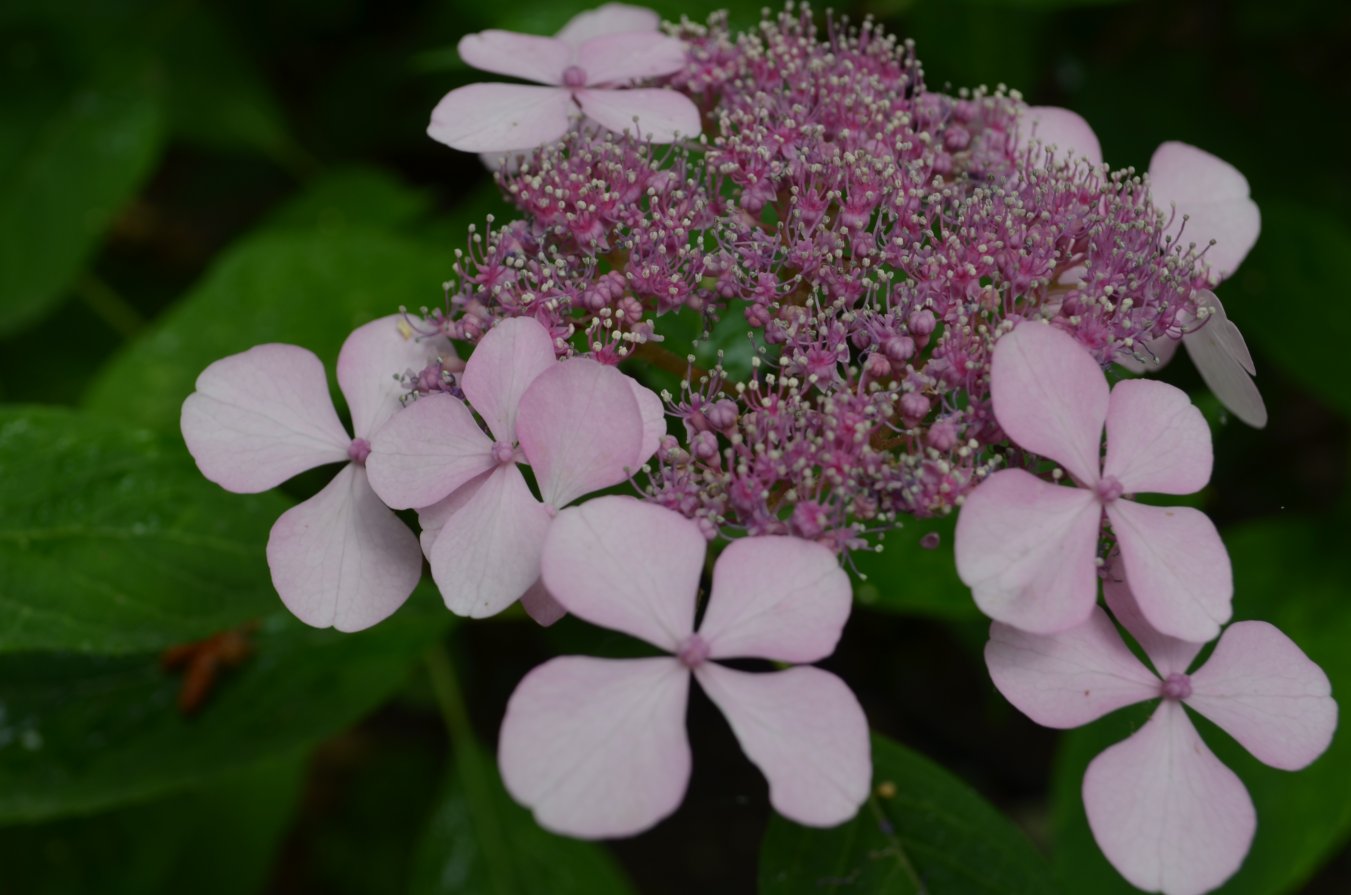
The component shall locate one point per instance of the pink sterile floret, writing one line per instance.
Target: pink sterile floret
(1165, 811)
(597, 747)
(1027, 548)
(579, 425)
(340, 559)
(586, 65)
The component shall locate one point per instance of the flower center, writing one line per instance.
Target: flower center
(358, 451)
(502, 453)
(1176, 686)
(693, 652)
(574, 76)
(1109, 489)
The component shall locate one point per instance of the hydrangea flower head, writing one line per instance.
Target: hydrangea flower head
(340, 559)
(597, 747)
(1027, 548)
(1165, 811)
(586, 68)
(579, 425)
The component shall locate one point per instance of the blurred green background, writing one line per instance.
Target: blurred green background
(181, 180)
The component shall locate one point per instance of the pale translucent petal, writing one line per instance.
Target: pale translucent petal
(501, 117)
(259, 417)
(626, 565)
(1050, 396)
(630, 56)
(1061, 130)
(1224, 362)
(1214, 196)
(1157, 441)
(1154, 355)
(597, 747)
(372, 360)
(1168, 654)
(612, 18)
(777, 598)
(1067, 679)
(530, 57)
(1261, 688)
(504, 363)
(486, 553)
(580, 428)
(1167, 814)
(655, 114)
(427, 451)
(341, 559)
(805, 731)
(1177, 567)
(1026, 549)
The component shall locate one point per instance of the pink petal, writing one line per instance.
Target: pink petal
(1177, 567)
(504, 363)
(1026, 549)
(1060, 130)
(777, 598)
(612, 18)
(1214, 196)
(526, 56)
(805, 731)
(1157, 441)
(501, 117)
(1050, 397)
(1153, 355)
(1224, 362)
(654, 420)
(1264, 692)
(341, 559)
(540, 605)
(656, 115)
(1168, 654)
(1067, 679)
(597, 747)
(630, 56)
(433, 518)
(259, 417)
(486, 554)
(626, 565)
(580, 428)
(427, 451)
(1168, 815)
(372, 359)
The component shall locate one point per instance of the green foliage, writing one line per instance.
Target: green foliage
(908, 578)
(112, 542)
(1281, 576)
(921, 831)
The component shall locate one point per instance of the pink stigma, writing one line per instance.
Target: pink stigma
(502, 453)
(574, 76)
(1109, 489)
(1176, 686)
(693, 652)
(358, 451)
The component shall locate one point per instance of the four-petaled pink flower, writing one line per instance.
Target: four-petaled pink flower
(1027, 548)
(597, 747)
(1165, 811)
(581, 426)
(586, 67)
(340, 559)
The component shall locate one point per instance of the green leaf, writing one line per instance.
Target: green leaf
(81, 733)
(75, 146)
(1282, 575)
(908, 578)
(481, 841)
(217, 840)
(921, 831)
(1297, 262)
(112, 542)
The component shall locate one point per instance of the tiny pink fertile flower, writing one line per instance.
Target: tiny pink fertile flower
(340, 559)
(1165, 811)
(597, 747)
(1027, 547)
(585, 66)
